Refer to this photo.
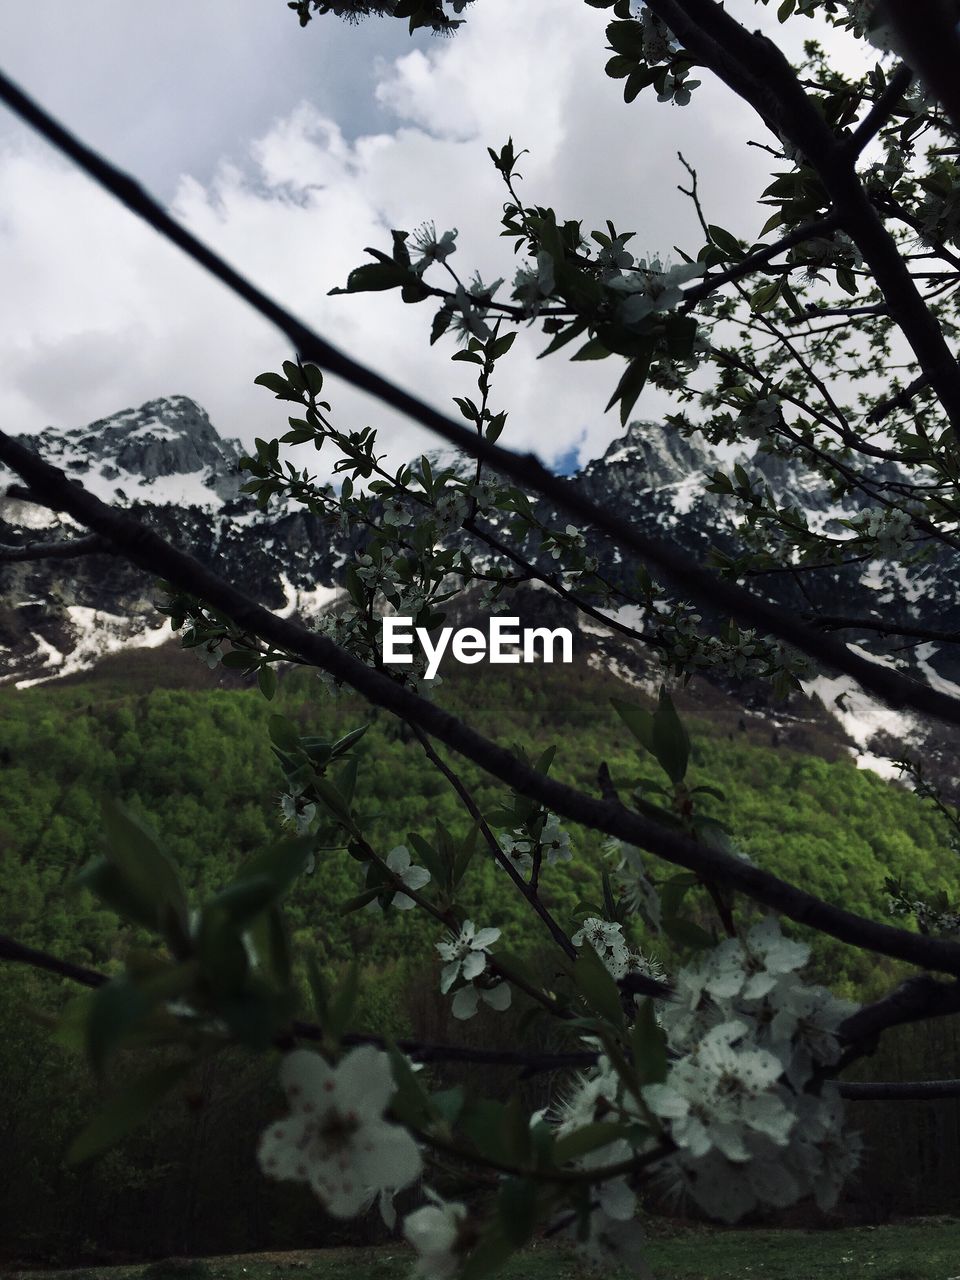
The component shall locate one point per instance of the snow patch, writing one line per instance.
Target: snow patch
(96, 634)
(308, 602)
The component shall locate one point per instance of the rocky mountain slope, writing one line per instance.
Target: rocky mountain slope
(167, 460)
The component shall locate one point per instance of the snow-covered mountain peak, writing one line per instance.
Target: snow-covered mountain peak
(165, 452)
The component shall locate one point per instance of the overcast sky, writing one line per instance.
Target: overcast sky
(290, 150)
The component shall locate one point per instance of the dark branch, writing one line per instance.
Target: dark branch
(10, 949)
(918, 998)
(881, 110)
(758, 72)
(886, 628)
(900, 401)
(915, 1000)
(493, 844)
(899, 1090)
(754, 261)
(932, 47)
(92, 545)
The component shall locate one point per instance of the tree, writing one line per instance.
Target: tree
(721, 1078)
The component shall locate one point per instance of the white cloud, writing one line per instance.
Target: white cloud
(100, 314)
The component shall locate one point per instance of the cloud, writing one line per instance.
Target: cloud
(100, 314)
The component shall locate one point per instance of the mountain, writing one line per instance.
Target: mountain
(167, 461)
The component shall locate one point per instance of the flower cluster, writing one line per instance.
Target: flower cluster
(521, 843)
(465, 958)
(889, 529)
(651, 287)
(747, 1036)
(611, 946)
(941, 921)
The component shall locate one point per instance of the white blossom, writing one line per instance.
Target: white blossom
(467, 1000)
(651, 289)
(718, 1093)
(465, 954)
(335, 1137)
(414, 877)
(437, 1233)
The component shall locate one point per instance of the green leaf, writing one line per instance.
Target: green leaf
(247, 898)
(582, 1141)
(373, 276)
(267, 682)
(591, 350)
(847, 280)
(637, 720)
(763, 299)
(146, 870)
(631, 384)
(727, 242)
(687, 934)
(517, 1204)
(223, 957)
(410, 1103)
(597, 987)
(276, 383)
(116, 1009)
(271, 943)
(283, 734)
(280, 865)
(671, 742)
(649, 1045)
(361, 900)
(125, 1112)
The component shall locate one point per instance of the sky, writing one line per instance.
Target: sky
(292, 150)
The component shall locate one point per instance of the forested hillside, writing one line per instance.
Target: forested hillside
(194, 760)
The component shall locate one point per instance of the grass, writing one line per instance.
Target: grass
(924, 1250)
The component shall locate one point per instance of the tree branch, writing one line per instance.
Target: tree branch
(758, 72)
(899, 1090)
(918, 998)
(881, 110)
(92, 545)
(928, 34)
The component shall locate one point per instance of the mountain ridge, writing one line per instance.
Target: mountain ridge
(167, 458)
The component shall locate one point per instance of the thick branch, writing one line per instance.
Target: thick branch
(758, 72)
(93, 545)
(928, 34)
(899, 1090)
(918, 998)
(915, 1000)
(10, 949)
(881, 110)
(886, 628)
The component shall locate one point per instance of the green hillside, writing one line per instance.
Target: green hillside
(194, 759)
(196, 762)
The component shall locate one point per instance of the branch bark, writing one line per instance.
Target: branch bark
(758, 72)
